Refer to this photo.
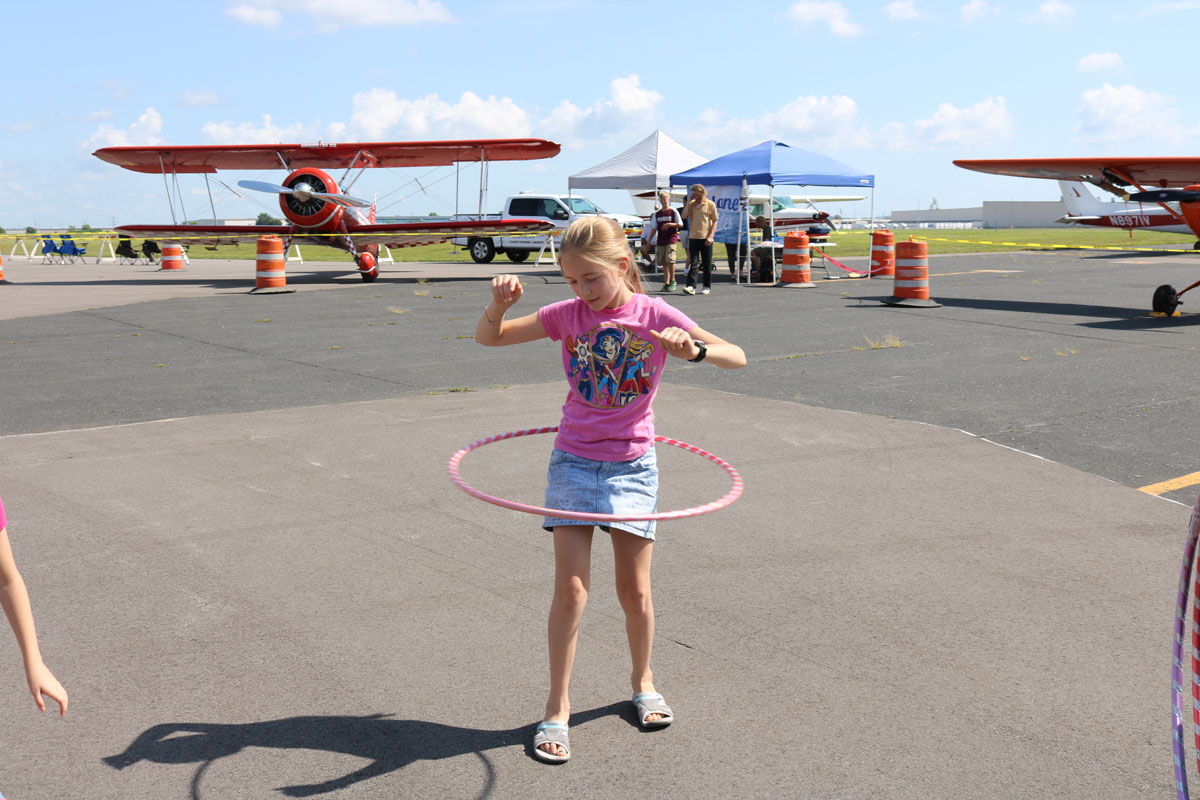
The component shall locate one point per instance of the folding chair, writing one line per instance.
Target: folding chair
(124, 250)
(51, 253)
(69, 250)
(151, 251)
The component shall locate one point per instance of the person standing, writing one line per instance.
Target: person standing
(667, 223)
(701, 215)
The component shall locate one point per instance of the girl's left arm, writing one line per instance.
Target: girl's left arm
(682, 344)
(14, 598)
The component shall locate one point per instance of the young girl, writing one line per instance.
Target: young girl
(615, 343)
(15, 599)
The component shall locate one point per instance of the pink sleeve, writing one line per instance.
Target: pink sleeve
(672, 316)
(551, 317)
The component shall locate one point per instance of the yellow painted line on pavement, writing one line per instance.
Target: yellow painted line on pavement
(1169, 486)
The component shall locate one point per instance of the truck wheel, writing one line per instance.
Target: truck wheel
(517, 256)
(482, 250)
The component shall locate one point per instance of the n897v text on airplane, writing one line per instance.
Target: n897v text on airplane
(314, 207)
(1151, 177)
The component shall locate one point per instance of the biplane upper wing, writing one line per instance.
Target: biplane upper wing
(407, 234)
(1145, 172)
(323, 155)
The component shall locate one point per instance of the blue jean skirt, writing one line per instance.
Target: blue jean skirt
(575, 483)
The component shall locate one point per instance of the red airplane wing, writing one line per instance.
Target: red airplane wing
(351, 155)
(407, 234)
(1148, 172)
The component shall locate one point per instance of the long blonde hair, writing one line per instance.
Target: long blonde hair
(601, 241)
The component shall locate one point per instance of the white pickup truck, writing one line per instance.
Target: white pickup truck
(559, 209)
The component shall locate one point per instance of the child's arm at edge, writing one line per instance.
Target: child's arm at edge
(14, 598)
(493, 330)
(682, 344)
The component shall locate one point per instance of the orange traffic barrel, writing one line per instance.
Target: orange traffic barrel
(883, 255)
(796, 260)
(911, 287)
(270, 277)
(2, 272)
(172, 257)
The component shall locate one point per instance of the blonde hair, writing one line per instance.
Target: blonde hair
(601, 242)
(664, 195)
(703, 191)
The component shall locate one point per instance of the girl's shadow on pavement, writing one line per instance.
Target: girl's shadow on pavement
(389, 744)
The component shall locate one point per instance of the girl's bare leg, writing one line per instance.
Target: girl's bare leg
(572, 569)
(631, 558)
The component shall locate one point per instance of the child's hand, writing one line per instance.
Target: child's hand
(506, 291)
(42, 682)
(677, 342)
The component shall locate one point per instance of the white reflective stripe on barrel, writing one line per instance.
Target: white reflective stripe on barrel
(887, 248)
(910, 284)
(912, 262)
(270, 256)
(803, 251)
(271, 273)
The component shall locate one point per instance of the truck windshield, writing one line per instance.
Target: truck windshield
(581, 205)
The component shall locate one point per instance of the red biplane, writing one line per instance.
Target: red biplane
(1151, 177)
(315, 208)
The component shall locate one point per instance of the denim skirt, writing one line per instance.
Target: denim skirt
(603, 487)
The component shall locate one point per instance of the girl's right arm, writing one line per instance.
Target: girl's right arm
(14, 597)
(493, 330)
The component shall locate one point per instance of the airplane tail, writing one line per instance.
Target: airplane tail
(1079, 200)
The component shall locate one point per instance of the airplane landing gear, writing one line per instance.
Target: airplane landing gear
(367, 268)
(1166, 300)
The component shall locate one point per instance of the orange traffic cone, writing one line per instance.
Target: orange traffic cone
(911, 287)
(270, 276)
(796, 271)
(883, 256)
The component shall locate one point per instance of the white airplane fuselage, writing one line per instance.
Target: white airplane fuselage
(1083, 208)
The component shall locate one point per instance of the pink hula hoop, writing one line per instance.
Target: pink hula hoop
(733, 494)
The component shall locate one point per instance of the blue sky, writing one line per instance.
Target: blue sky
(898, 89)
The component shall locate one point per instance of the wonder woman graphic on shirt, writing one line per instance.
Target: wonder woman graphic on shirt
(610, 366)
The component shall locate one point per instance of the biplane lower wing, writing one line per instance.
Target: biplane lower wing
(411, 234)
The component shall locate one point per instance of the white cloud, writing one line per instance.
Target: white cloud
(1119, 114)
(1096, 62)
(264, 132)
(97, 116)
(334, 14)
(21, 126)
(808, 121)
(976, 10)
(833, 14)
(1053, 13)
(902, 10)
(200, 97)
(144, 131)
(986, 122)
(254, 15)
(1157, 9)
(629, 108)
(380, 112)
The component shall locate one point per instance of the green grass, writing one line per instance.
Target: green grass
(847, 244)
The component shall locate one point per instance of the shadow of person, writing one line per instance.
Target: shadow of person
(388, 744)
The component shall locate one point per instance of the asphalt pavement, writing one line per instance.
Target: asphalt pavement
(251, 573)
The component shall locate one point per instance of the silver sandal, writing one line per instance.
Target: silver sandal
(551, 733)
(652, 703)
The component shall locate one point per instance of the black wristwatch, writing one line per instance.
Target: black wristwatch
(702, 354)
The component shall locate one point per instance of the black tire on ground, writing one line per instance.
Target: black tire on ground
(369, 276)
(1196, 245)
(517, 256)
(482, 250)
(1165, 300)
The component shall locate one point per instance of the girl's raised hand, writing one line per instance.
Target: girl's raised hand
(506, 291)
(677, 342)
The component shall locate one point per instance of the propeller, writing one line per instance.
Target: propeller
(1166, 196)
(305, 192)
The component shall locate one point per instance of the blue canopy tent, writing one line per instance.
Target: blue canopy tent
(775, 163)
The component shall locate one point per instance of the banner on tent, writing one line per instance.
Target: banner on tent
(731, 205)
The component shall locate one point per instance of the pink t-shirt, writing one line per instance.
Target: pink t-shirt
(613, 366)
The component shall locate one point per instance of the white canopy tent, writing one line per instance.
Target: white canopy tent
(646, 166)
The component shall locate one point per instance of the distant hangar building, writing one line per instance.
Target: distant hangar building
(992, 214)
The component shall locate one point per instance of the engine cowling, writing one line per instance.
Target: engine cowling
(306, 211)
